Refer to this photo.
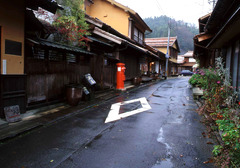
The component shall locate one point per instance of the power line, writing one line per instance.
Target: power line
(161, 10)
(169, 22)
(169, 27)
(159, 7)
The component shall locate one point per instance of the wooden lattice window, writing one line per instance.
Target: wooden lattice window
(135, 34)
(55, 55)
(71, 58)
(38, 53)
(138, 36)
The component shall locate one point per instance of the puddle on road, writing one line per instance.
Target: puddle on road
(163, 164)
(172, 98)
(166, 163)
(161, 139)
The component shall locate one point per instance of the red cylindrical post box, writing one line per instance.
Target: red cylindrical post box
(120, 75)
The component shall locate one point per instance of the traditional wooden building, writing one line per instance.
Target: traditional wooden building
(205, 56)
(123, 50)
(219, 37)
(126, 24)
(14, 83)
(119, 17)
(35, 69)
(186, 62)
(161, 45)
(12, 78)
(156, 66)
(50, 65)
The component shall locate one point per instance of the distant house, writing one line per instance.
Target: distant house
(186, 62)
(161, 45)
(180, 59)
(219, 37)
(157, 66)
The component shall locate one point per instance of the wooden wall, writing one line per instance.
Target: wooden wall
(232, 57)
(132, 65)
(46, 79)
(104, 71)
(12, 36)
(12, 92)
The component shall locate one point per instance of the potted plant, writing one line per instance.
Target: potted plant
(195, 82)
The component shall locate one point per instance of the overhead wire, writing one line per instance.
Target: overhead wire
(168, 21)
(161, 10)
(159, 7)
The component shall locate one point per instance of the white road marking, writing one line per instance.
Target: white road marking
(114, 115)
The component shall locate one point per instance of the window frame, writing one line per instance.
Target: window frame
(138, 36)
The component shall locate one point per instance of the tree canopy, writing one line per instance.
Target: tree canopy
(184, 31)
(70, 22)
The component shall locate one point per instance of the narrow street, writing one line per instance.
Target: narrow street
(167, 135)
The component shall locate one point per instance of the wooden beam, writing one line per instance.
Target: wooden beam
(203, 37)
(94, 22)
(107, 35)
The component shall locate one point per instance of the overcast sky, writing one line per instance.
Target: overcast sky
(186, 10)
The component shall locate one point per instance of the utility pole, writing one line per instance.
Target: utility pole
(167, 54)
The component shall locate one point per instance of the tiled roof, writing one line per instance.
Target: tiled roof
(188, 54)
(49, 5)
(189, 64)
(121, 6)
(55, 45)
(205, 16)
(132, 12)
(180, 59)
(160, 42)
(99, 41)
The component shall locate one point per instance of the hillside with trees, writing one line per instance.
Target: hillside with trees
(184, 31)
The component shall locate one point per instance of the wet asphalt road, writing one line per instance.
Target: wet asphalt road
(168, 135)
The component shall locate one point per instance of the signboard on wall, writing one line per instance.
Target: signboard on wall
(4, 66)
(13, 47)
(90, 80)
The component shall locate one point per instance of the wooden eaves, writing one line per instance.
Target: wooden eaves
(118, 40)
(227, 32)
(203, 36)
(58, 46)
(49, 5)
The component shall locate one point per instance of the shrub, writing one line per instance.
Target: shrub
(221, 109)
(195, 80)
